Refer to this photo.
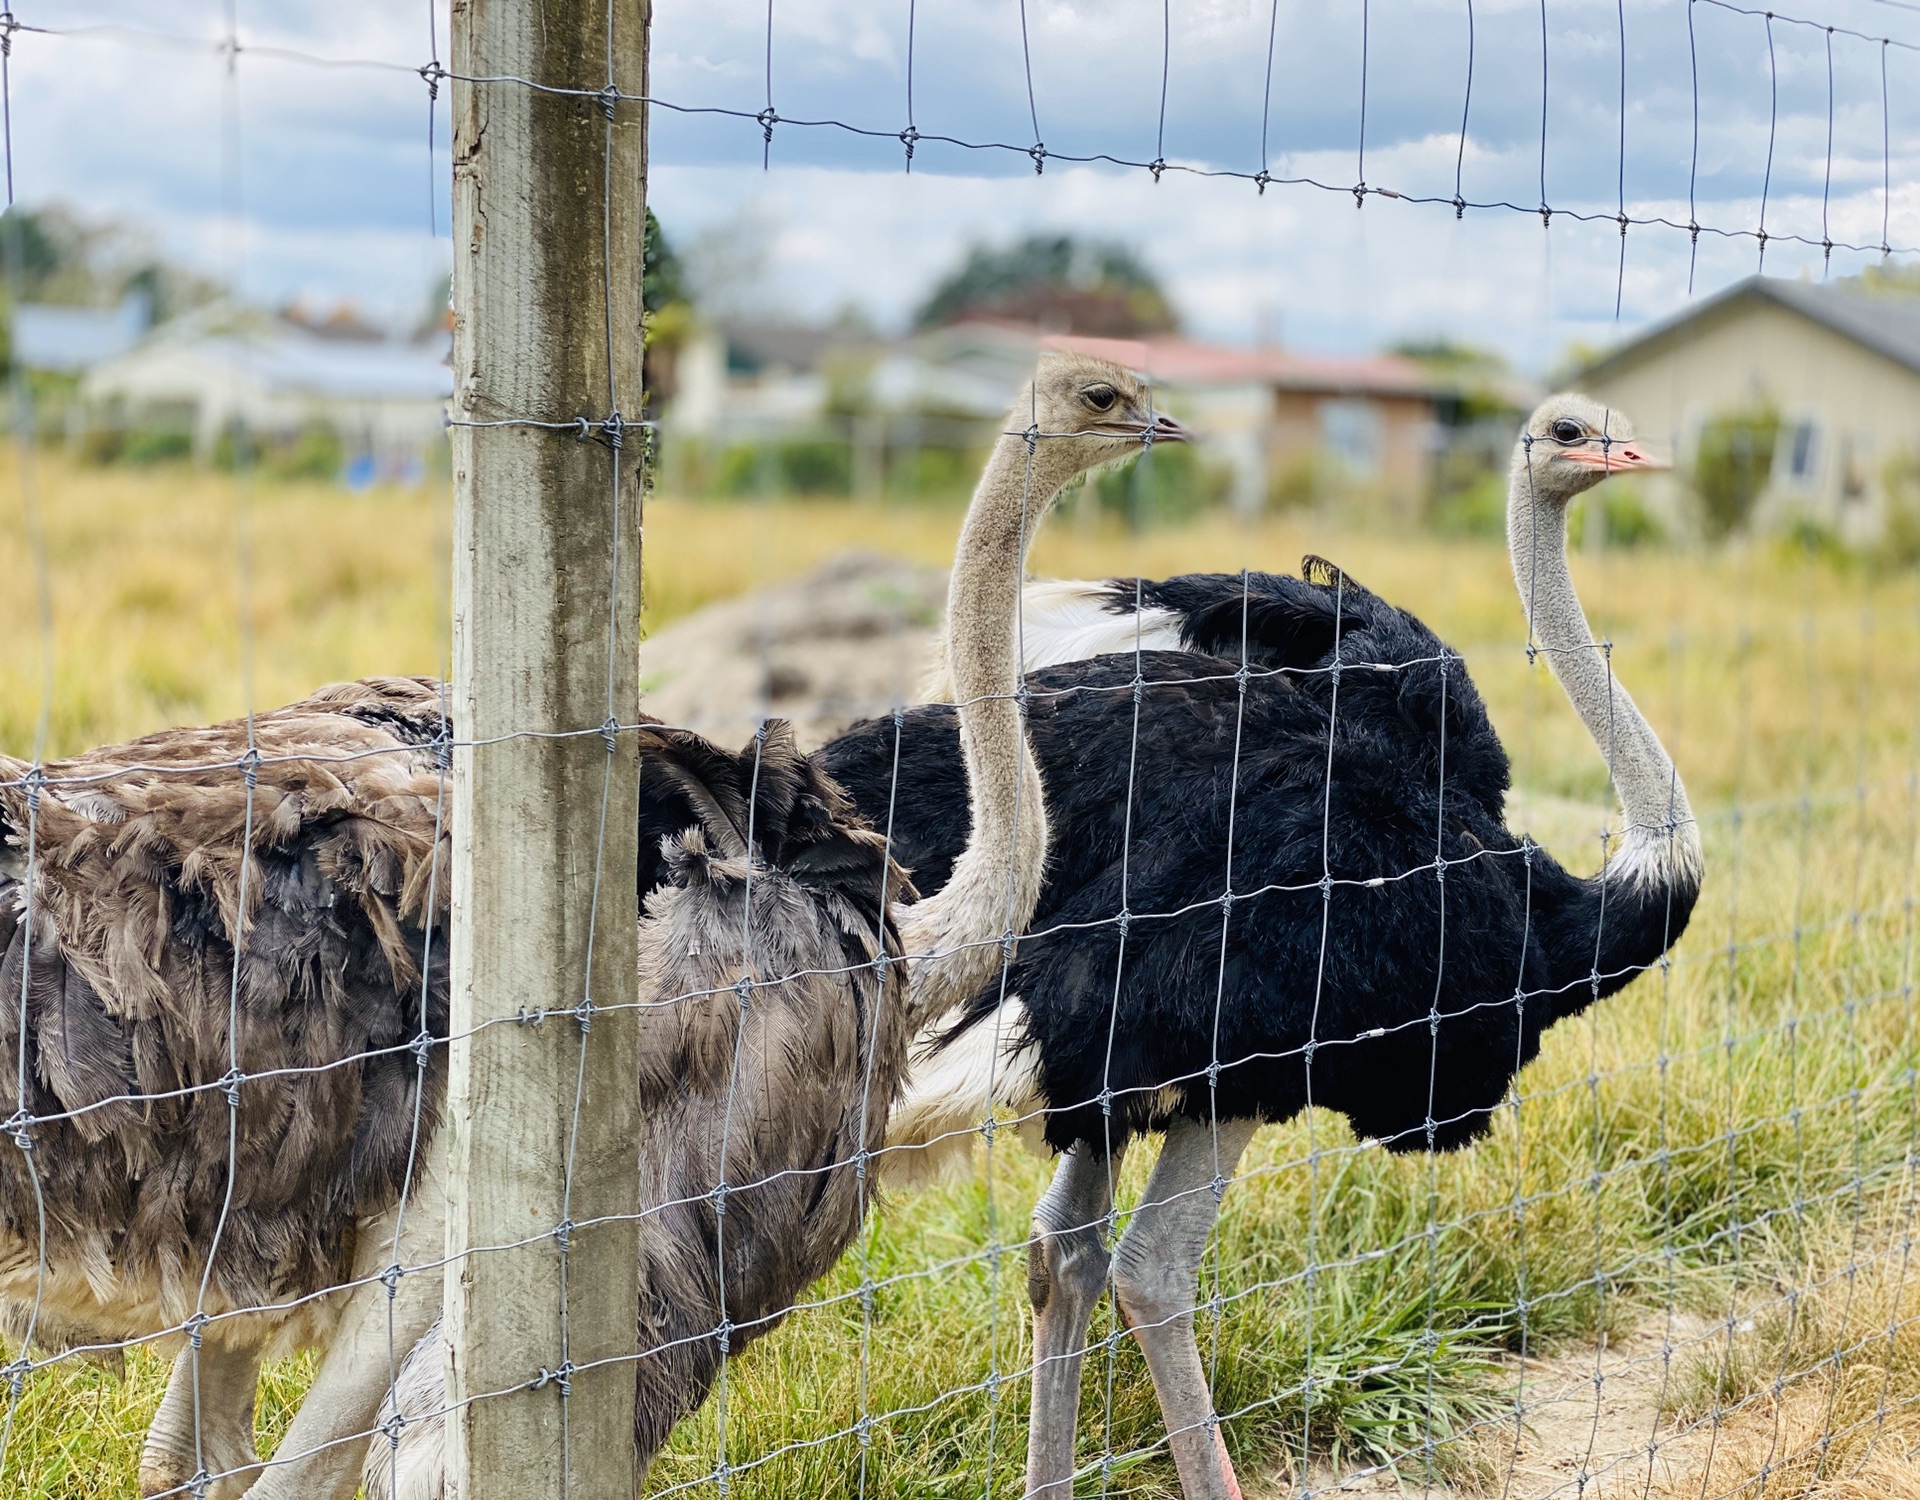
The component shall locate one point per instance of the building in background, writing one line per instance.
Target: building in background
(1288, 427)
(221, 369)
(1783, 402)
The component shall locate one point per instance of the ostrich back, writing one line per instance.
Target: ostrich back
(774, 1090)
(1389, 995)
(127, 980)
(760, 1101)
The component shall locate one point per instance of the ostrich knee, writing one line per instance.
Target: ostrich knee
(1066, 1272)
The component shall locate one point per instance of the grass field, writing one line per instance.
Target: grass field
(1732, 1139)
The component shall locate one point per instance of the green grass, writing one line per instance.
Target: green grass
(1710, 1138)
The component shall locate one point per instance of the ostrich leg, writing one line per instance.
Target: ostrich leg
(1155, 1276)
(1066, 1273)
(320, 1457)
(171, 1455)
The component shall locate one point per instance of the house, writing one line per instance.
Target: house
(222, 367)
(1833, 371)
(1296, 427)
(1287, 425)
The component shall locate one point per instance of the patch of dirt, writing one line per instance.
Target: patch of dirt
(846, 641)
(1588, 1420)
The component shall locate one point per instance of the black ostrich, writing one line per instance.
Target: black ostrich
(1390, 950)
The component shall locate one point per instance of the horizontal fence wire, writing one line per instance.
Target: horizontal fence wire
(1723, 1277)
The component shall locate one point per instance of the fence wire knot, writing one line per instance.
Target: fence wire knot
(1260, 181)
(250, 767)
(723, 1335)
(390, 1279)
(34, 781)
(609, 98)
(908, 138)
(1157, 166)
(230, 1082)
(768, 119)
(20, 1126)
(1038, 152)
(16, 1374)
(195, 1329)
(431, 73)
(9, 24)
(561, 1377)
(743, 987)
(1459, 206)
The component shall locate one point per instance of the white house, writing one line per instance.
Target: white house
(221, 366)
(1838, 365)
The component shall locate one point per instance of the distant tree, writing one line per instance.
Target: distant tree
(663, 294)
(663, 279)
(53, 254)
(1057, 282)
(1473, 382)
(1901, 280)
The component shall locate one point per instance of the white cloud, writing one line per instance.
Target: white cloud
(337, 186)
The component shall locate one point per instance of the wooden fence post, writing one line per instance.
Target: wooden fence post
(548, 229)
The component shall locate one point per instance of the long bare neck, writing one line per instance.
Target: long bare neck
(996, 880)
(1662, 841)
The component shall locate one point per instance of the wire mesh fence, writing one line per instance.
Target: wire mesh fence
(1526, 1122)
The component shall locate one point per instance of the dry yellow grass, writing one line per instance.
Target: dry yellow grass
(1788, 689)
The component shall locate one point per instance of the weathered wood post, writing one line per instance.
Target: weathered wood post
(548, 229)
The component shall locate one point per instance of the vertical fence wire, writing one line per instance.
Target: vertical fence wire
(1836, 977)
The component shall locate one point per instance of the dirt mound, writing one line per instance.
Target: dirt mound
(847, 640)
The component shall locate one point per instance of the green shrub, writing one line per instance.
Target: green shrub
(1900, 536)
(802, 466)
(1476, 509)
(316, 452)
(152, 445)
(1733, 464)
(1625, 519)
(1162, 486)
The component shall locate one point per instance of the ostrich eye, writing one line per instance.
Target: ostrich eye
(1101, 397)
(1566, 430)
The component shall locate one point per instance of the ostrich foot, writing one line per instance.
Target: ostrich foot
(222, 1446)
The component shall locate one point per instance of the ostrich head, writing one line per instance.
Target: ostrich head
(1085, 412)
(1571, 443)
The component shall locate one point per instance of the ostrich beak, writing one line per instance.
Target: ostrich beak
(1616, 458)
(1166, 430)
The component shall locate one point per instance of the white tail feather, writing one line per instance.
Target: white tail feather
(1067, 619)
(952, 1089)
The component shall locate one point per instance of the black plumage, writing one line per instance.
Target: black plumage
(1449, 944)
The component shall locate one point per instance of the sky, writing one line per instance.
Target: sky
(288, 178)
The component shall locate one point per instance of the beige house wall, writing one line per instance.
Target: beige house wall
(1397, 484)
(1864, 409)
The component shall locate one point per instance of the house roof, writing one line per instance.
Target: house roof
(1888, 323)
(276, 358)
(74, 338)
(1180, 361)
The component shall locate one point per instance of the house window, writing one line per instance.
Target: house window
(1802, 452)
(1350, 432)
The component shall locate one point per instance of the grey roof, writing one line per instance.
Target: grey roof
(76, 338)
(1887, 322)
